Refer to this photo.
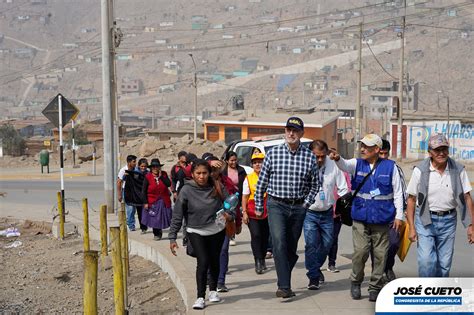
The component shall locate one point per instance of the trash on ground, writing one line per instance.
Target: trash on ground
(10, 232)
(15, 244)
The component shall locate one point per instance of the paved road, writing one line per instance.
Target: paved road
(33, 198)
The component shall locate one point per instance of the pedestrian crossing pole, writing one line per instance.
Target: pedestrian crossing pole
(61, 155)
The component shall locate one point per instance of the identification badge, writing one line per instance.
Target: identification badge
(322, 196)
(375, 192)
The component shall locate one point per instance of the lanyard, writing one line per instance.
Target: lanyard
(321, 177)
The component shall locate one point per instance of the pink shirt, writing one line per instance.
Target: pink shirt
(233, 174)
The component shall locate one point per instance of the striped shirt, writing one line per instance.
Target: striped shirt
(286, 174)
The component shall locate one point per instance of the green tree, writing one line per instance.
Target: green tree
(13, 143)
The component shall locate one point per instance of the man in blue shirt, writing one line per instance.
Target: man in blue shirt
(290, 178)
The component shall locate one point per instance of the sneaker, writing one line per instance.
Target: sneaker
(222, 288)
(132, 229)
(214, 297)
(269, 255)
(373, 296)
(313, 284)
(390, 275)
(157, 238)
(285, 293)
(355, 291)
(232, 243)
(185, 242)
(199, 304)
(332, 269)
(321, 278)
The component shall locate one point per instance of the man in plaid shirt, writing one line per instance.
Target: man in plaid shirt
(290, 178)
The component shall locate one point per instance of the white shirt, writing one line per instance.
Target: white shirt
(333, 177)
(121, 175)
(440, 192)
(349, 166)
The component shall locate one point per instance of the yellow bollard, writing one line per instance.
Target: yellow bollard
(85, 209)
(103, 234)
(124, 251)
(61, 216)
(90, 282)
(124, 236)
(119, 299)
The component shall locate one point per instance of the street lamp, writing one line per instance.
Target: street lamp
(195, 96)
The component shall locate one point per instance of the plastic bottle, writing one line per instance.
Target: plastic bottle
(231, 202)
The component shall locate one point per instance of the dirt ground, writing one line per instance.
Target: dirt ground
(45, 276)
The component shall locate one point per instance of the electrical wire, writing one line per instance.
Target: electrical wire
(260, 34)
(380, 64)
(265, 41)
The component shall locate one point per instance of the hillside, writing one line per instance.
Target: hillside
(230, 39)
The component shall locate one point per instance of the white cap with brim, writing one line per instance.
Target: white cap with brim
(371, 140)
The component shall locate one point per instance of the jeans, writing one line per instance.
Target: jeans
(286, 224)
(140, 211)
(270, 243)
(367, 237)
(224, 261)
(318, 228)
(259, 237)
(130, 210)
(436, 245)
(207, 250)
(335, 242)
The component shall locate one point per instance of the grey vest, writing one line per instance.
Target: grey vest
(455, 170)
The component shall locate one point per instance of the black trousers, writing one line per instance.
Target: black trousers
(259, 233)
(140, 211)
(208, 251)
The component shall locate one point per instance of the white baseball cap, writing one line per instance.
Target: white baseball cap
(371, 140)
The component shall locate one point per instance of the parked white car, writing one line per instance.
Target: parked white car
(244, 148)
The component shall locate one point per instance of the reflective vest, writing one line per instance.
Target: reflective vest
(374, 201)
(252, 179)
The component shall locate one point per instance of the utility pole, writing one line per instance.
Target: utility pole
(107, 105)
(447, 99)
(359, 95)
(304, 97)
(400, 87)
(195, 96)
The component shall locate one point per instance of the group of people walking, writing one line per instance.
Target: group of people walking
(293, 190)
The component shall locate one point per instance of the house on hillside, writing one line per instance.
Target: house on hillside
(341, 92)
(249, 64)
(199, 22)
(172, 67)
(131, 87)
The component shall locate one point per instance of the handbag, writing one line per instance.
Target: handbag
(344, 203)
(230, 228)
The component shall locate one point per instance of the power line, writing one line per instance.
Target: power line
(272, 32)
(378, 62)
(442, 27)
(266, 41)
(296, 19)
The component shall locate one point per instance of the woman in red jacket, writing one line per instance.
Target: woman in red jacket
(157, 214)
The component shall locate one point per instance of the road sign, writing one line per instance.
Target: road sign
(52, 111)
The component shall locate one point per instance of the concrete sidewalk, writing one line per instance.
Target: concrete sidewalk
(249, 293)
